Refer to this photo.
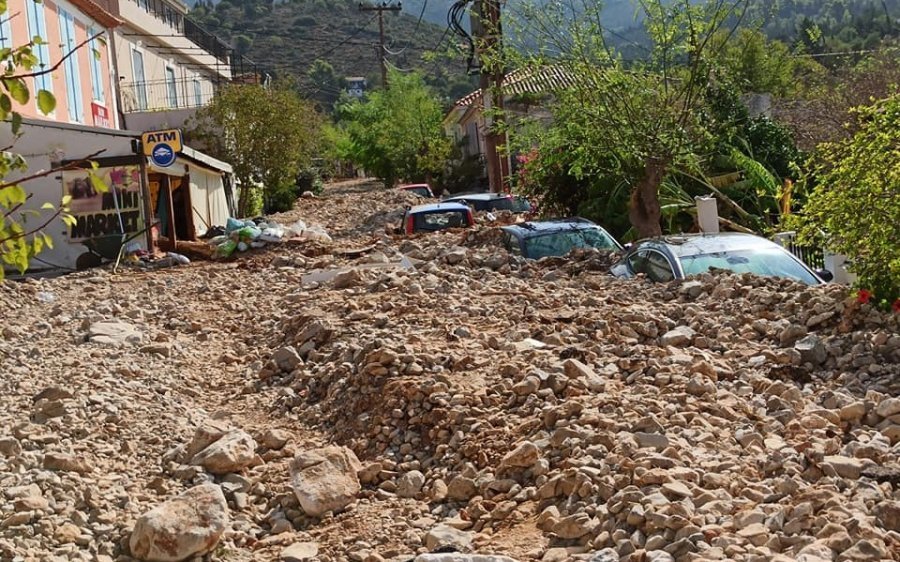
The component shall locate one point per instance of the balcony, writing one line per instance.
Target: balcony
(166, 95)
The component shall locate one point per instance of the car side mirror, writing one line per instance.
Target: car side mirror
(825, 275)
(628, 246)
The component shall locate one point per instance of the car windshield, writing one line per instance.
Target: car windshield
(439, 220)
(520, 204)
(419, 190)
(769, 262)
(561, 243)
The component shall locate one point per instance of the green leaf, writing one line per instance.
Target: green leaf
(98, 183)
(16, 123)
(18, 90)
(48, 240)
(69, 220)
(11, 196)
(66, 200)
(48, 206)
(5, 103)
(46, 102)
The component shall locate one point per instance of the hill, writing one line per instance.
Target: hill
(287, 38)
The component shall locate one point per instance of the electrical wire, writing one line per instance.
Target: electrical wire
(421, 15)
(455, 23)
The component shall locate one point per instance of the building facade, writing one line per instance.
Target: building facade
(167, 66)
(75, 53)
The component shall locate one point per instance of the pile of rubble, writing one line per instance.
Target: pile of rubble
(435, 398)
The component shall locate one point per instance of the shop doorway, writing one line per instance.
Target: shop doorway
(170, 201)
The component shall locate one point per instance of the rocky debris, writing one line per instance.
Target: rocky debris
(325, 480)
(532, 406)
(190, 524)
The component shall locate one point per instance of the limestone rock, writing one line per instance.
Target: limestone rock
(447, 537)
(523, 456)
(188, 525)
(677, 337)
(300, 552)
(410, 484)
(233, 452)
(114, 333)
(325, 479)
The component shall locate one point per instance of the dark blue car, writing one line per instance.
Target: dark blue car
(541, 239)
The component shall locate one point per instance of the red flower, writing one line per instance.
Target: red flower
(864, 296)
(896, 306)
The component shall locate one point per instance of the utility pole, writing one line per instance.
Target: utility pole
(381, 9)
(489, 43)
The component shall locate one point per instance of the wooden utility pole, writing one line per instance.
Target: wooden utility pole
(381, 9)
(489, 42)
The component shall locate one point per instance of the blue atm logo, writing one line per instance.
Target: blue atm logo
(163, 155)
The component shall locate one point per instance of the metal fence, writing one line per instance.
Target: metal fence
(811, 256)
(165, 95)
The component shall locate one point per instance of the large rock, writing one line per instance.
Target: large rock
(233, 452)
(449, 538)
(287, 359)
(111, 332)
(887, 514)
(300, 552)
(186, 526)
(410, 484)
(459, 557)
(523, 456)
(325, 479)
(205, 435)
(679, 336)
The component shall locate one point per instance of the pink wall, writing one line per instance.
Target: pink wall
(19, 28)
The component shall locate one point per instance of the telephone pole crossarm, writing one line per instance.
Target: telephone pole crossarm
(381, 9)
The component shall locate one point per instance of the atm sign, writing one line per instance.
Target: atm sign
(170, 137)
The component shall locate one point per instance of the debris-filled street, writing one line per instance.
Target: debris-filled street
(366, 396)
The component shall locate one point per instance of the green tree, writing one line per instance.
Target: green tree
(855, 208)
(327, 86)
(396, 133)
(639, 121)
(267, 134)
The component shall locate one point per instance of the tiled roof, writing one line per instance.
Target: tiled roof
(527, 80)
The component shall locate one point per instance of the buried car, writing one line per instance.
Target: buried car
(492, 202)
(420, 189)
(541, 239)
(437, 216)
(676, 257)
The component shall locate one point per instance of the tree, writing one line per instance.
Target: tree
(638, 120)
(22, 235)
(396, 133)
(267, 134)
(855, 208)
(327, 86)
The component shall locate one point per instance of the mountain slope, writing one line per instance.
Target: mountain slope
(287, 38)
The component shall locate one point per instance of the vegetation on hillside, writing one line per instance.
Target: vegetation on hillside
(287, 38)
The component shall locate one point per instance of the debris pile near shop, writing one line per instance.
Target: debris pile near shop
(457, 404)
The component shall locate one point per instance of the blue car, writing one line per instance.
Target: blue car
(541, 239)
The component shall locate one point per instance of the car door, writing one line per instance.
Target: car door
(658, 267)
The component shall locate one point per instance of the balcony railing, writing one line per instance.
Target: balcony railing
(166, 95)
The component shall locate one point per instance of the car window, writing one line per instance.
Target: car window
(637, 262)
(658, 267)
(771, 262)
(512, 244)
(439, 220)
(421, 191)
(561, 243)
(501, 204)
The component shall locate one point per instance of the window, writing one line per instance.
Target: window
(171, 87)
(512, 244)
(198, 93)
(658, 267)
(37, 26)
(74, 99)
(5, 30)
(94, 54)
(140, 85)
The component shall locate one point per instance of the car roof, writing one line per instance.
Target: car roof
(433, 207)
(477, 196)
(708, 243)
(536, 228)
(413, 185)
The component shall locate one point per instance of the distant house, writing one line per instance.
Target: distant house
(524, 93)
(356, 86)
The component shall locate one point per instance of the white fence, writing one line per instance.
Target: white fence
(816, 258)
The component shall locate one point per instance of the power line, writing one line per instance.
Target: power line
(421, 15)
